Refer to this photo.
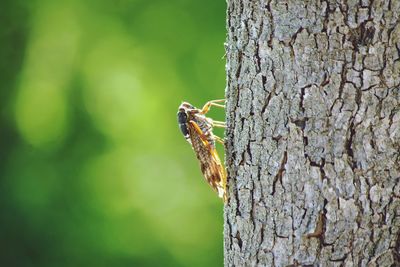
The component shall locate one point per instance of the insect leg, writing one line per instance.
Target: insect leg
(210, 103)
(220, 124)
(219, 140)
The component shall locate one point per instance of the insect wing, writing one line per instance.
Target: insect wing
(210, 162)
(221, 186)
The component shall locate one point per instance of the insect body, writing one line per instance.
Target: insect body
(197, 129)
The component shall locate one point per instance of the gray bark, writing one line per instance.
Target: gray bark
(313, 133)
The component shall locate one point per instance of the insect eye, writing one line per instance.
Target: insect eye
(182, 117)
(182, 120)
(184, 129)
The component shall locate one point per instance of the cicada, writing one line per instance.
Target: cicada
(198, 131)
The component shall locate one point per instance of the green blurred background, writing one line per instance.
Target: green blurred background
(93, 168)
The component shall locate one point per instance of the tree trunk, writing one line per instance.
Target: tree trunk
(313, 136)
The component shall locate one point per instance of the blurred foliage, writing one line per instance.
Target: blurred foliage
(93, 168)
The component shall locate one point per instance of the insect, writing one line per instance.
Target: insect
(197, 129)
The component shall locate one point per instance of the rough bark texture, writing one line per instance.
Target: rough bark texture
(313, 135)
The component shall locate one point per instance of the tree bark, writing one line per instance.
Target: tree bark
(313, 133)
